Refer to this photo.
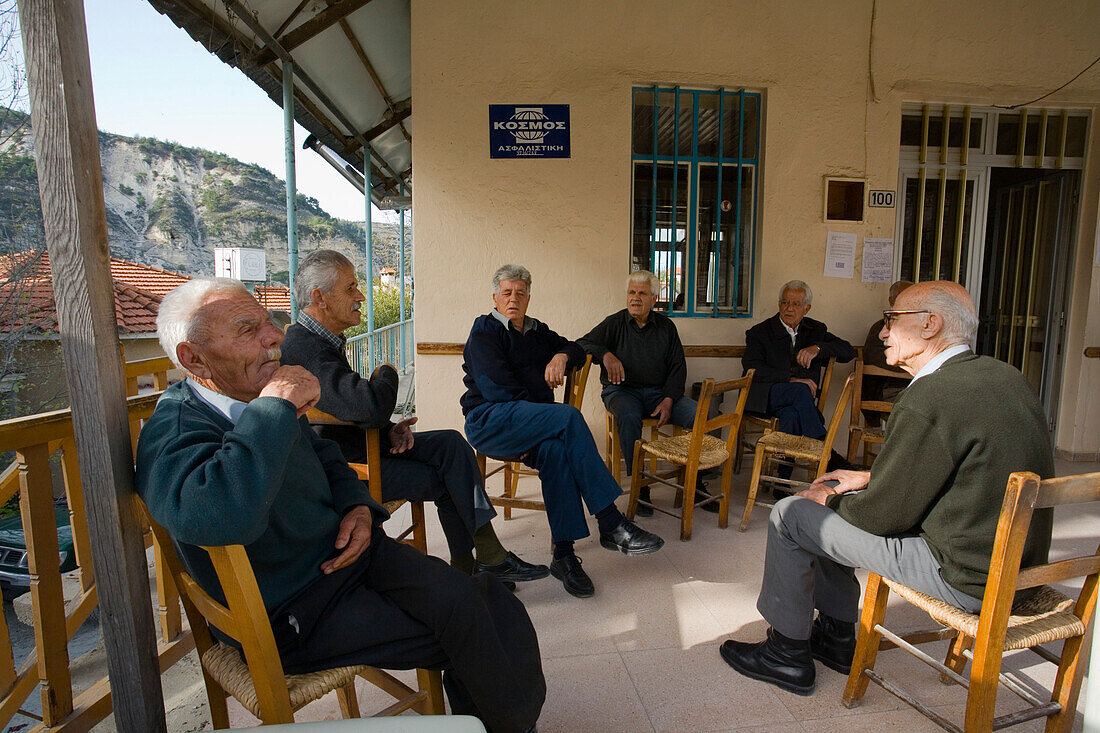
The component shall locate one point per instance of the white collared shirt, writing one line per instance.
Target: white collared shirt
(528, 323)
(227, 406)
(793, 333)
(937, 361)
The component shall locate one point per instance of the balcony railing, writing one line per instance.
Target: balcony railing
(392, 344)
(35, 440)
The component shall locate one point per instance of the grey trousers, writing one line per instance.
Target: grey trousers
(810, 563)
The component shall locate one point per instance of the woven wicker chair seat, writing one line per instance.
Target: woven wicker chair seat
(393, 506)
(676, 448)
(1046, 616)
(871, 435)
(794, 446)
(225, 664)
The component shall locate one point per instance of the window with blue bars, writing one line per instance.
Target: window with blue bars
(695, 158)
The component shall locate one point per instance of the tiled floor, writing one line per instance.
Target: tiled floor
(642, 654)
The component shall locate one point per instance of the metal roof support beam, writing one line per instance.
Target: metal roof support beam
(311, 28)
(241, 12)
(403, 112)
(55, 43)
(362, 54)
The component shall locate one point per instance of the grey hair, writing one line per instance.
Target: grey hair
(318, 271)
(797, 285)
(178, 319)
(896, 288)
(960, 319)
(646, 276)
(511, 272)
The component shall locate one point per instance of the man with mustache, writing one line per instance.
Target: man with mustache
(434, 465)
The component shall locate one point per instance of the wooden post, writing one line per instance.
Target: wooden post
(55, 45)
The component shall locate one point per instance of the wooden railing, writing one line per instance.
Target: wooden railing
(35, 440)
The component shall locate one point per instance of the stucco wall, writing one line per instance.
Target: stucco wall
(568, 220)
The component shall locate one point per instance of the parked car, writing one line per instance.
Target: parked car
(15, 579)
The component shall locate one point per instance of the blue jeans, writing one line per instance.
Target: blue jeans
(555, 439)
(631, 406)
(793, 404)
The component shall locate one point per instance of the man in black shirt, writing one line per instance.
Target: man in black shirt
(643, 368)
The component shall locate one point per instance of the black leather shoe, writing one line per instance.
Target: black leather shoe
(785, 663)
(833, 643)
(643, 510)
(630, 539)
(513, 569)
(569, 571)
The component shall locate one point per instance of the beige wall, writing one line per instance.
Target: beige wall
(568, 220)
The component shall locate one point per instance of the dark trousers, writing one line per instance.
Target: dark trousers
(631, 406)
(793, 404)
(440, 467)
(397, 609)
(555, 439)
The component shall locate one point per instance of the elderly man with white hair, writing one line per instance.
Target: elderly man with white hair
(513, 363)
(228, 458)
(926, 513)
(644, 370)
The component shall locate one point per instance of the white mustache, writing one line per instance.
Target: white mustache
(274, 354)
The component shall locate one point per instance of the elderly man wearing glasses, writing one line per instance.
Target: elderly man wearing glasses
(925, 515)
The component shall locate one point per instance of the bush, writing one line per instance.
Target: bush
(387, 309)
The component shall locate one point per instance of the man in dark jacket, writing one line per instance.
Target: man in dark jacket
(436, 465)
(227, 458)
(643, 372)
(926, 513)
(788, 351)
(512, 364)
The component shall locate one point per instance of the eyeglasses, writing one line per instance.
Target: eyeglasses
(888, 317)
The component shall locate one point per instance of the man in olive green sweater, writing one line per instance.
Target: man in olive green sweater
(925, 515)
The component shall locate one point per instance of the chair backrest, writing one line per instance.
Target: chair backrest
(1024, 494)
(826, 382)
(860, 405)
(732, 420)
(242, 617)
(374, 451)
(835, 420)
(575, 381)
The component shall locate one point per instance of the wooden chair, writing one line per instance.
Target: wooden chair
(1000, 627)
(754, 425)
(693, 452)
(812, 454)
(859, 432)
(614, 453)
(416, 533)
(575, 382)
(257, 680)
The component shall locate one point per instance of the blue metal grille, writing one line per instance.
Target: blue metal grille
(695, 197)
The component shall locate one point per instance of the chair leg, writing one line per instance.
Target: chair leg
(956, 657)
(510, 480)
(867, 643)
(691, 475)
(739, 444)
(854, 439)
(754, 484)
(431, 682)
(216, 695)
(1067, 683)
(635, 480)
(349, 703)
(420, 527)
(724, 502)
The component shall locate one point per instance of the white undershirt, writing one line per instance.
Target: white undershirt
(793, 333)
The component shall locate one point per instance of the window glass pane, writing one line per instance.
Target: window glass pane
(666, 122)
(910, 130)
(1031, 141)
(1008, 134)
(928, 229)
(642, 131)
(670, 243)
(708, 127)
(955, 133)
(1075, 137)
(721, 252)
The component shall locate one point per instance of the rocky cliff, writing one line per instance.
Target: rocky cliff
(169, 206)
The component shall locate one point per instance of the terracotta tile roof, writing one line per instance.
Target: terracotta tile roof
(150, 279)
(273, 296)
(29, 305)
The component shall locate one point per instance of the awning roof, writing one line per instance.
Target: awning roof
(352, 59)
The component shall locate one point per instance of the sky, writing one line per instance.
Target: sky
(150, 78)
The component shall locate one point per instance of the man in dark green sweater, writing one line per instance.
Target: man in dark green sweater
(925, 515)
(228, 458)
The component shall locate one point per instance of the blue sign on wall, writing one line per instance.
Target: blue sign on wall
(528, 130)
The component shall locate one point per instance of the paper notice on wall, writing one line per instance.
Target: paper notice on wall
(840, 254)
(878, 260)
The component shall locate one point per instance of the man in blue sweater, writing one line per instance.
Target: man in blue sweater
(228, 458)
(512, 364)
